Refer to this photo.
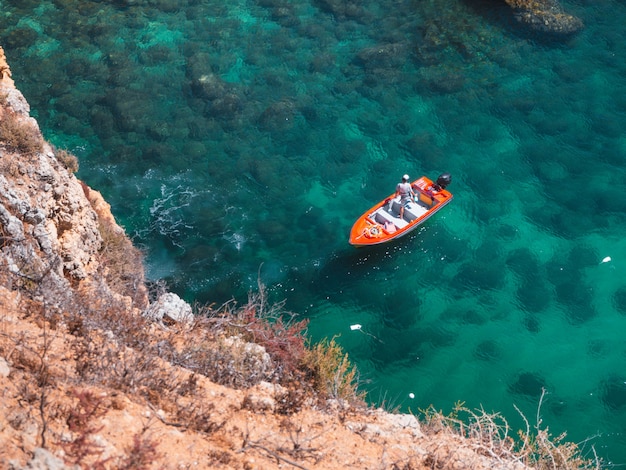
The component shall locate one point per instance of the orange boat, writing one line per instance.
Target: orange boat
(382, 223)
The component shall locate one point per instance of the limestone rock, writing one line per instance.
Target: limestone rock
(5, 370)
(5, 71)
(388, 425)
(44, 460)
(262, 397)
(250, 357)
(171, 307)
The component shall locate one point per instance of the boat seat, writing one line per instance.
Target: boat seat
(411, 211)
(383, 216)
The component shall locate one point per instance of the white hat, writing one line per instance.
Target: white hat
(405, 177)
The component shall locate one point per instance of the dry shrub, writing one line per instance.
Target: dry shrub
(488, 434)
(333, 373)
(140, 455)
(20, 136)
(96, 309)
(304, 370)
(102, 361)
(112, 347)
(122, 263)
(543, 451)
(226, 361)
(81, 421)
(68, 160)
(293, 399)
(292, 450)
(9, 166)
(197, 416)
(219, 457)
(29, 277)
(271, 327)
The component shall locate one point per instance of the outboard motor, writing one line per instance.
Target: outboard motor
(443, 181)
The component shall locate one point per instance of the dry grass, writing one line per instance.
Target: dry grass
(489, 434)
(19, 136)
(67, 159)
(121, 263)
(333, 373)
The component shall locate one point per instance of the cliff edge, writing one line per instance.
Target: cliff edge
(95, 375)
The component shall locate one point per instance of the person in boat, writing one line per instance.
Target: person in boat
(406, 193)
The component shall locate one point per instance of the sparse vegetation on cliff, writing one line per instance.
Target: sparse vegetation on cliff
(67, 159)
(333, 373)
(491, 435)
(73, 370)
(121, 263)
(19, 135)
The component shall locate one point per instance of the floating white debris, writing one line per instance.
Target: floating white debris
(607, 259)
(355, 327)
(411, 395)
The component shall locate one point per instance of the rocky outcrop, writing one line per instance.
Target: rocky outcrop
(169, 308)
(50, 232)
(546, 16)
(5, 72)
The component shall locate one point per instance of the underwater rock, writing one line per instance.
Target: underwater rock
(546, 16)
(531, 323)
(128, 108)
(168, 6)
(533, 298)
(488, 350)
(619, 300)
(342, 8)
(20, 38)
(209, 87)
(528, 383)
(441, 80)
(481, 276)
(613, 393)
(577, 299)
(278, 116)
(522, 262)
(224, 107)
(382, 56)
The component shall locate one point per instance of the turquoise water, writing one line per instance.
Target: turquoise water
(245, 137)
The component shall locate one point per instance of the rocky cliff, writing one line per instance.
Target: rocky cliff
(53, 224)
(93, 375)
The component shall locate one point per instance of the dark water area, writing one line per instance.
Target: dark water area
(242, 139)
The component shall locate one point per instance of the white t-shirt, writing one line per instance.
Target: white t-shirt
(405, 190)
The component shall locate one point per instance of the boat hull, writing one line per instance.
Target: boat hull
(382, 223)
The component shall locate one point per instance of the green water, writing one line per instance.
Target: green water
(245, 137)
